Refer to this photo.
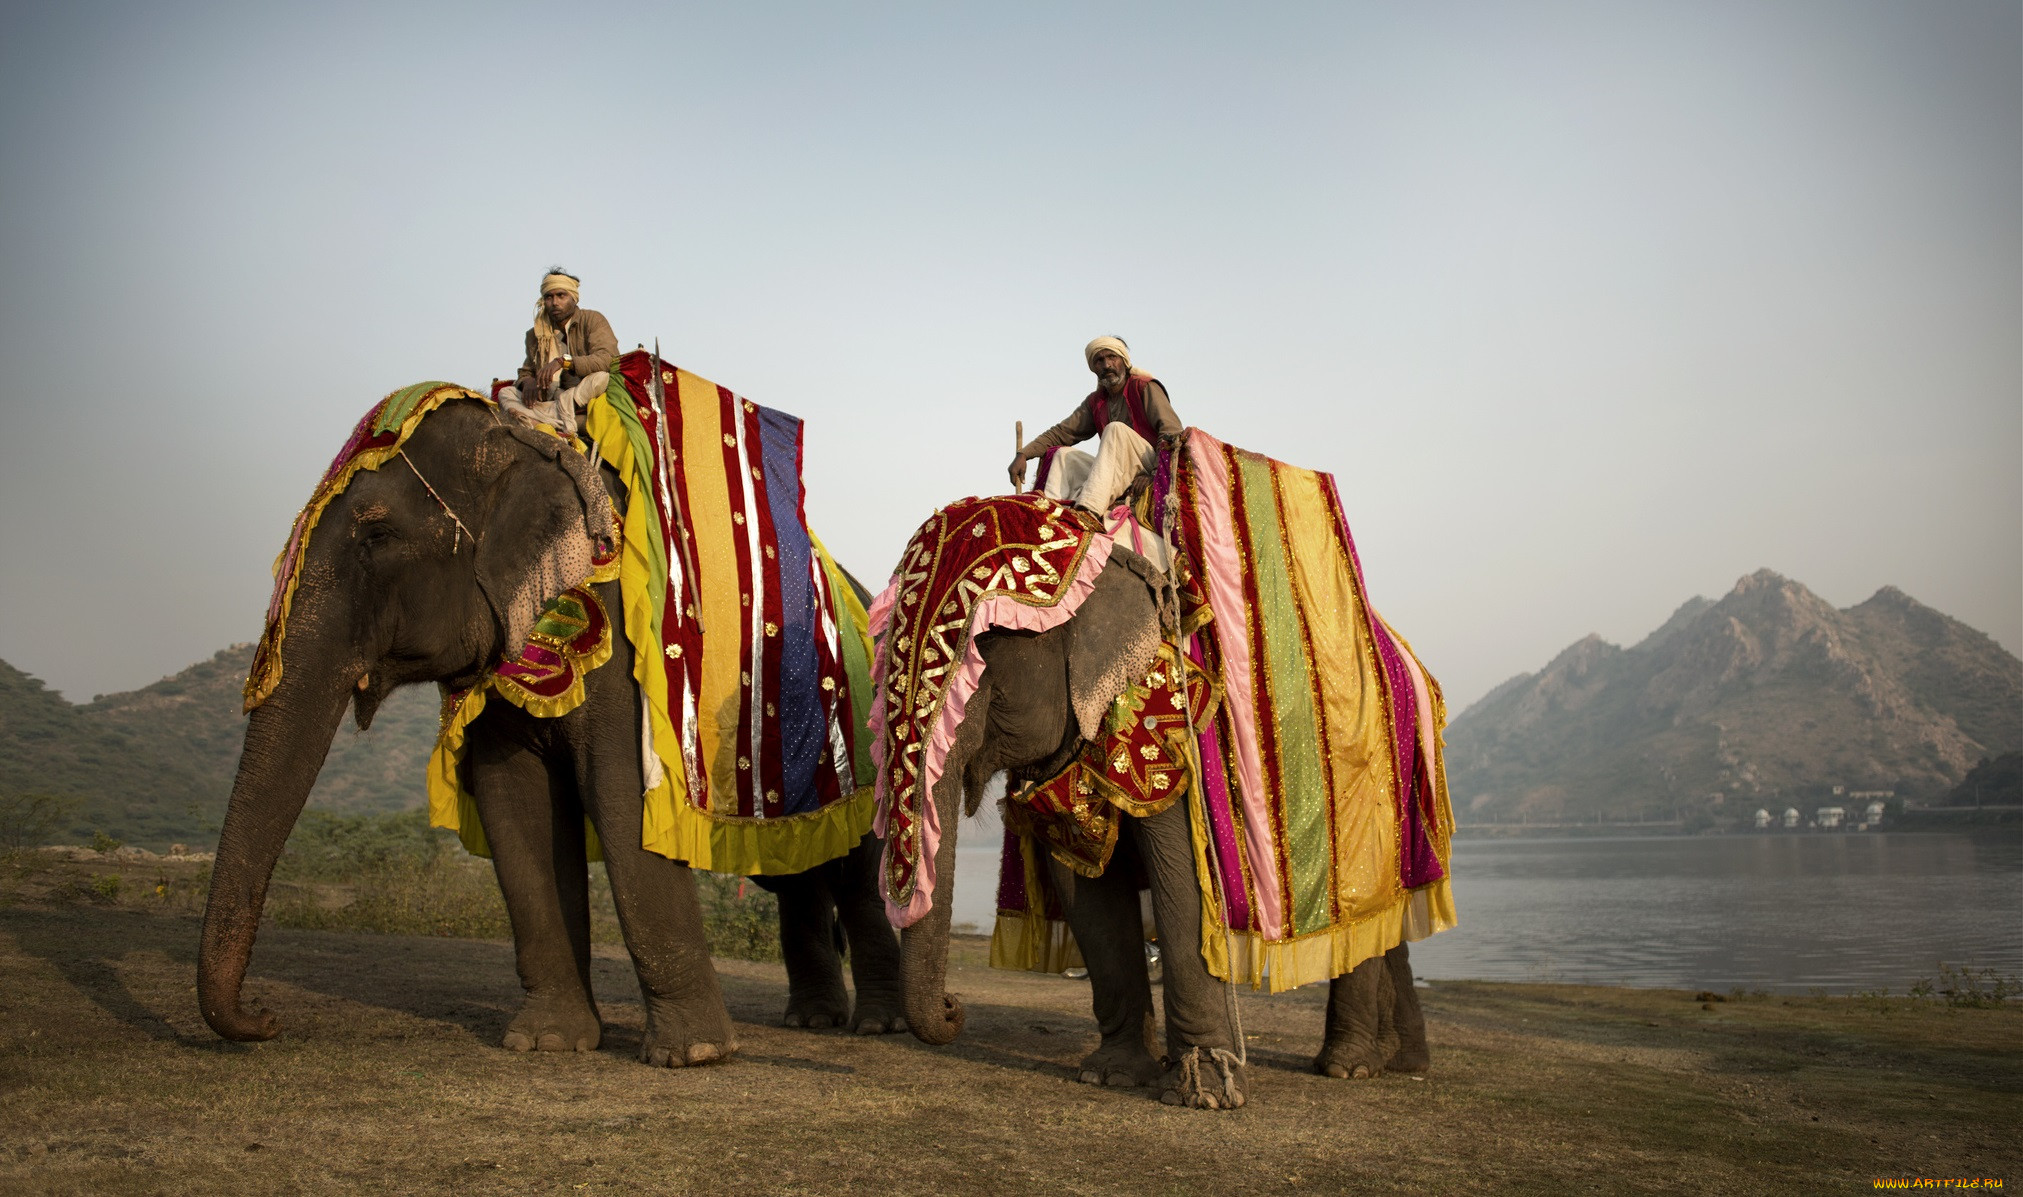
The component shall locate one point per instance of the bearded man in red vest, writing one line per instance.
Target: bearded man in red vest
(1128, 410)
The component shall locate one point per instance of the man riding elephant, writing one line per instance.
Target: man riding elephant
(569, 354)
(1129, 410)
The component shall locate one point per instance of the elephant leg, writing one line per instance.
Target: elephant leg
(874, 949)
(1103, 914)
(1358, 1011)
(1410, 1021)
(1200, 1043)
(658, 909)
(815, 994)
(535, 827)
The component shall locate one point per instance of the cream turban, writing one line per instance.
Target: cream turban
(561, 282)
(1113, 344)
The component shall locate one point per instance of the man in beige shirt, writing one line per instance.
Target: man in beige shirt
(570, 350)
(1128, 410)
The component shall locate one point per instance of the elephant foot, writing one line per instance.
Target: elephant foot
(874, 1017)
(1122, 1065)
(817, 1013)
(554, 1026)
(676, 1040)
(1350, 1059)
(1205, 1078)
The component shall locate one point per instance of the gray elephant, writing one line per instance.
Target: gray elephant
(434, 571)
(1021, 719)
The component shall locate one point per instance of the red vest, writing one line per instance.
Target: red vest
(1134, 412)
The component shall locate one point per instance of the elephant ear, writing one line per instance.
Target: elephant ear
(537, 538)
(1113, 637)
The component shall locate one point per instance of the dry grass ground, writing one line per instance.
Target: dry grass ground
(386, 1078)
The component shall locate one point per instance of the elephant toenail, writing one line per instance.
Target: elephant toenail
(703, 1053)
(1091, 1078)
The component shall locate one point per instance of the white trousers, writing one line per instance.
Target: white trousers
(560, 412)
(1096, 483)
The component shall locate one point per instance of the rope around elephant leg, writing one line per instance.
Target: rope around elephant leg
(1169, 516)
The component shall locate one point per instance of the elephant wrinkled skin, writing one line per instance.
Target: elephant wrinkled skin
(1025, 719)
(392, 594)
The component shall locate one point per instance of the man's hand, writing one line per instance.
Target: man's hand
(1018, 471)
(550, 372)
(1137, 487)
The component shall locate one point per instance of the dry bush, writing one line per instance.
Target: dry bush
(393, 874)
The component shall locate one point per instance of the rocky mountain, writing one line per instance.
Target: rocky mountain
(155, 765)
(1769, 692)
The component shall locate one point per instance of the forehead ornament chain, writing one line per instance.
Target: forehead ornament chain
(461, 532)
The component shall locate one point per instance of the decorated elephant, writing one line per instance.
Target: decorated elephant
(557, 602)
(1264, 759)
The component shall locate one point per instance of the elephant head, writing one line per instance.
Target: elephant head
(1040, 696)
(432, 568)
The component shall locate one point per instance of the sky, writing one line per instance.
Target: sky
(1589, 307)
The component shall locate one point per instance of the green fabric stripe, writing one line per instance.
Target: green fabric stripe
(857, 666)
(562, 617)
(1301, 781)
(400, 405)
(642, 487)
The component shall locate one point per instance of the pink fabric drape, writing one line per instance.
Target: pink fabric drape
(997, 612)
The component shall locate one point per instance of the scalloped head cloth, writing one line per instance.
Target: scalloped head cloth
(1113, 344)
(547, 338)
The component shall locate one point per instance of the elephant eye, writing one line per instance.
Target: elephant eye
(376, 535)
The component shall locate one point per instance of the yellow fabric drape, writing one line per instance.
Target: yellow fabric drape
(671, 825)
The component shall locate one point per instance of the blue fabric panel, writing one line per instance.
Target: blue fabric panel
(804, 733)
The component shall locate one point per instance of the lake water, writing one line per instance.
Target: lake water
(1787, 913)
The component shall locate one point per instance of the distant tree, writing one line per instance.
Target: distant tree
(27, 820)
(1995, 781)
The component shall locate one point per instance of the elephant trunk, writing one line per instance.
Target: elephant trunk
(287, 738)
(934, 1014)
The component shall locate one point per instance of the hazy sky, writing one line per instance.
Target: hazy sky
(1590, 307)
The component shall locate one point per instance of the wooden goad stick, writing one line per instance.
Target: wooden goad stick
(1018, 447)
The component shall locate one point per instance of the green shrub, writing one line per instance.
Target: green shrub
(332, 847)
(103, 843)
(108, 887)
(741, 920)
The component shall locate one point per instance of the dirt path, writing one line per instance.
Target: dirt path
(386, 1079)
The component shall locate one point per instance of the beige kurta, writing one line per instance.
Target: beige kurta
(592, 348)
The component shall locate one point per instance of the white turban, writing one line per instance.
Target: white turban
(1113, 344)
(561, 282)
